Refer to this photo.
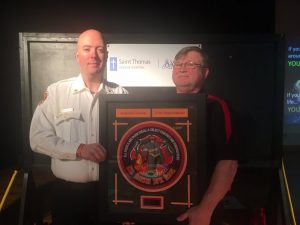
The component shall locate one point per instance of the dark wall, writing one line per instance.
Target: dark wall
(209, 17)
(287, 15)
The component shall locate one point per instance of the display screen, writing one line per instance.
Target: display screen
(291, 128)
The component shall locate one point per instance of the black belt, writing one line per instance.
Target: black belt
(88, 186)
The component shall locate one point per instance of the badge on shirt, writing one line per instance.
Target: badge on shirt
(45, 96)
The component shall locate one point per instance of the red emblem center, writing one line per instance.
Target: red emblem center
(152, 156)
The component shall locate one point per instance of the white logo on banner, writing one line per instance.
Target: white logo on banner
(113, 63)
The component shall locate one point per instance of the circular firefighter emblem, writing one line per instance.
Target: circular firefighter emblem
(152, 156)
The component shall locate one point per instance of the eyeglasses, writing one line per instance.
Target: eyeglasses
(188, 65)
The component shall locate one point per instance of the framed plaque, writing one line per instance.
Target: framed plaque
(155, 168)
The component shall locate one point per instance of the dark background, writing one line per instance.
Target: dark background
(146, 17)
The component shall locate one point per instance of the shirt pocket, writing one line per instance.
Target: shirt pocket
(68, 125)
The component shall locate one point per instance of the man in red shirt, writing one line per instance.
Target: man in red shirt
(189, 73)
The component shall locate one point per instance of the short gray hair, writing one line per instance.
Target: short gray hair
(186, 50)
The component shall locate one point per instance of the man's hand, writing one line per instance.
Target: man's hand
(93, 152)
(196, 215)
(220, 184)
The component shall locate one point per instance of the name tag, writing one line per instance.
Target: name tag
(67, 110)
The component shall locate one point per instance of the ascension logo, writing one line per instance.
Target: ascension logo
(152, 156)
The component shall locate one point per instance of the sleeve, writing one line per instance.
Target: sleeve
(42, 135)
(222, 136)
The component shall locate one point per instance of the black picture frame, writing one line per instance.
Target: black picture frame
(127, 123)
